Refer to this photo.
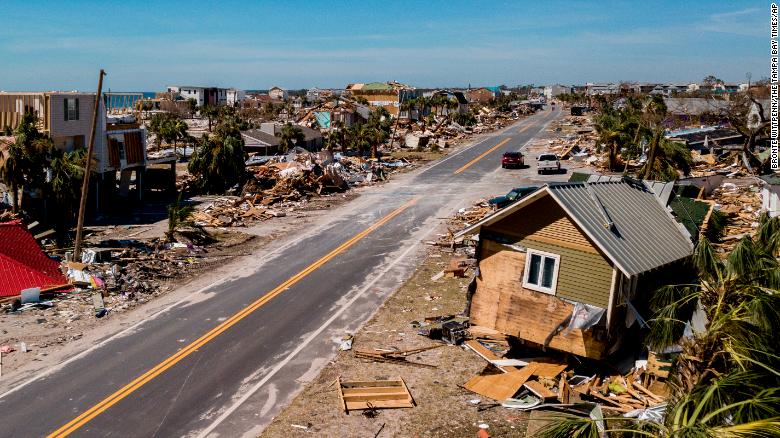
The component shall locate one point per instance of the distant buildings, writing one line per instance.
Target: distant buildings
(278, 93)
(204, 96)
(668, 90)
(388, 95)
(317, 94)
(234, 97)
(480, 96)
(552, 91)
(592, 89)
(266, 140)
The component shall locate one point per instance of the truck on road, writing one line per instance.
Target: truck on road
(547, 163)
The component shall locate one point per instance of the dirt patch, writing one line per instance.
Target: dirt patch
(444, 408)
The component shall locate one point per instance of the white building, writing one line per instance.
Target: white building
(552, 91)
(278, 93)
(235, 97)
(203, 95)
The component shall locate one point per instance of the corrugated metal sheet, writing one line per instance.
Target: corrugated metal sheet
(643, 235)
(22, 263)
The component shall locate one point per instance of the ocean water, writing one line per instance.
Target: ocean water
(125, 99)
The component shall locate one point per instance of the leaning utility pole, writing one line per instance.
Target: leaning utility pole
(88, 169)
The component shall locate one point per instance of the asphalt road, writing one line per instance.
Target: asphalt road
(228, 358)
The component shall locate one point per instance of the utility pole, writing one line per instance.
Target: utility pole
(88, 169)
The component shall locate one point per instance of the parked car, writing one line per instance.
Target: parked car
(512, 159)
(513, 195)
(547, 163)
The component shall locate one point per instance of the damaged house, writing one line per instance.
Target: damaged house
(567, 266)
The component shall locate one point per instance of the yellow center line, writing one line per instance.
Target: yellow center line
(505, 141)
(112, 399)
(472, 162)
(519, 131)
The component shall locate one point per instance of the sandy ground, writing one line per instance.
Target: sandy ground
(444, 408)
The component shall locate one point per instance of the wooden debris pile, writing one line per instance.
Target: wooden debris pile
(132, 267)
(532, 383)
(741, 203)
(234, 211)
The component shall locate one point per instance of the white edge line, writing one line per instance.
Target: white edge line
(308, 340)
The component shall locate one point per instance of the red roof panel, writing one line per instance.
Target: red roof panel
(22, 263)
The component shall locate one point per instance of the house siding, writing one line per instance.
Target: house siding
(83, 126)
(584, 275)
(500, 302)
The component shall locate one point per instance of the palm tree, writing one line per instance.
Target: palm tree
(289, 136)
(421, 104)
(67, 172)
(178, 131)
(336, 136)
(11, 172)
(725, 382)
(376, 136)
(612, 135)
(24, 162)
(178, 214)
(219, 161)
(211, 113)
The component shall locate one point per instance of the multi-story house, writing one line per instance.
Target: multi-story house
(234, 97)
(120, 143)
(278, 93)
(204, 96)
(388, 95)
(553, 91)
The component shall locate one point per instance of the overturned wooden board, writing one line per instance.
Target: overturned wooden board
(378, 394)
(500, 387)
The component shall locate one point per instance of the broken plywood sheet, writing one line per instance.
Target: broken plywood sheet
(540, 390)
(378, 394)
(500, 387)
(549, 369)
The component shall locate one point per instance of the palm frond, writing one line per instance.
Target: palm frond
(768, 234)
(741, 262)
(706, 261)
(569, 426)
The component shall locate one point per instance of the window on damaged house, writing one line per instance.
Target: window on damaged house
(541, 271)
(71, 109)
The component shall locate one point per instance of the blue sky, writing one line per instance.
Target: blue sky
(62, 44)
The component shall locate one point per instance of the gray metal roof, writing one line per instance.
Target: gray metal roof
(626, 221)
(661, 189)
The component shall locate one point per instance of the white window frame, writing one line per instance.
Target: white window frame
(543, 254)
